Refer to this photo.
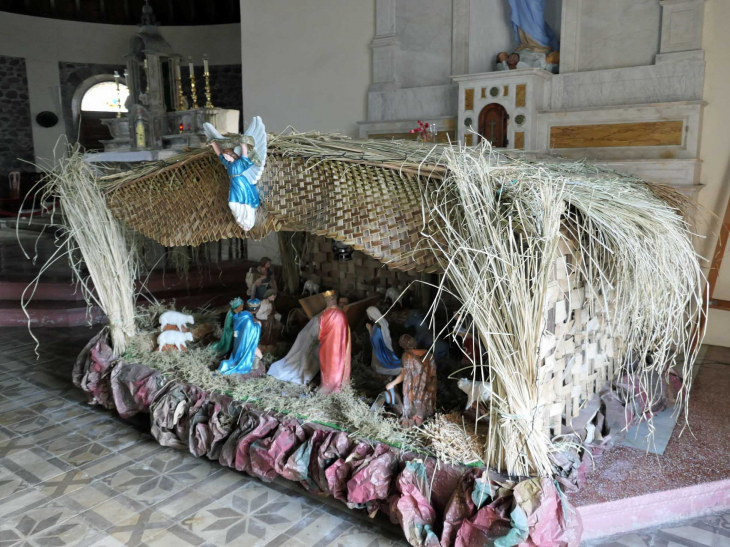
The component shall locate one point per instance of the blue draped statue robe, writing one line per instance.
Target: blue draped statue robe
(242, 191)
(529, 15)
(385, 355)
(245, 342)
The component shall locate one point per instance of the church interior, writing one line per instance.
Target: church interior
(343, 273)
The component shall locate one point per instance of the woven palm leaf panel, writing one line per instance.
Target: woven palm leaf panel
(183, 204)
(376, 210)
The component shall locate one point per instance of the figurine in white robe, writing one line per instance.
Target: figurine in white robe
(301, 364)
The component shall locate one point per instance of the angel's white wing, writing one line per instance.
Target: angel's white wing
(257, 130)
(211, 132)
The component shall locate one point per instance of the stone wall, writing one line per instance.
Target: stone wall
(16, 132)
(72, 76)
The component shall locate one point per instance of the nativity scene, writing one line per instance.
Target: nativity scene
(444, 331)
(414, 359)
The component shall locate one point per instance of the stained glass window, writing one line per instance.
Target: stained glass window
(104, 97)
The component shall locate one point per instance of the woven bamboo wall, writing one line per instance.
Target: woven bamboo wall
(357, 278)
(371, 208)
(578, 352)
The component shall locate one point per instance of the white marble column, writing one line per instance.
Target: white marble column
(569, 36)
(460, 37)
(385, 48)
(681, 30)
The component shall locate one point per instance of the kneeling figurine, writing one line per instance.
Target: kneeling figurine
(419, 383)
(246, 335)
(224, 345)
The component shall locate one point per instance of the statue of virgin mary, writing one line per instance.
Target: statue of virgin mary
(531, 30)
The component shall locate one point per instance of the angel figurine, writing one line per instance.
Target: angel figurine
(245, 165)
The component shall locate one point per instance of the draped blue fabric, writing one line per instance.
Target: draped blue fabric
(247, 334)
(242, 191)
(529, 15)
(265, 284)
(384, 354)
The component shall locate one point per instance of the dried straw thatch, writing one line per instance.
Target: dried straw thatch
(91, 237)
(497, 225)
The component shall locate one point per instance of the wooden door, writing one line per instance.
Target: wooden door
(493, 125)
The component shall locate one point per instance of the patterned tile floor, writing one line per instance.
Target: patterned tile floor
(71, 474)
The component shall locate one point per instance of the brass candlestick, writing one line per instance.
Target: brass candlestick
(208, 104)
(119, 95)
(180, 96)
(193, 92)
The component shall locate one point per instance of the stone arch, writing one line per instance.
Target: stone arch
(79, 93)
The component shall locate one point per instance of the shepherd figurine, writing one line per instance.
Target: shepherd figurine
(245, 165)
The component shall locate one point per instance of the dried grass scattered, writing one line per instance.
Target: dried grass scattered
(92, 240)
(452, 439)
(347, 410)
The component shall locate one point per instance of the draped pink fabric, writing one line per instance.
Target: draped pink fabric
(421, 495)
(334, 349)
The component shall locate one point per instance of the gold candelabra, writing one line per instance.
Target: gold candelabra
(180, 96)
(119, 95)
(193, 92)
(208, 104)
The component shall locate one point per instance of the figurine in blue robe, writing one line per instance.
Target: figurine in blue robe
(531, 30)
(246, 334)
(245, 165)
(224, 345)
(384, 360)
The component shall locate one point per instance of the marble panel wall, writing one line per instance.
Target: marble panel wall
(424, 34)
(661, 83)
(689, 113)
(413, 103)
(16, 133)
(490, 32)
(599, 35)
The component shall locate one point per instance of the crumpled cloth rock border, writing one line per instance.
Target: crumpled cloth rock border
(434, 503)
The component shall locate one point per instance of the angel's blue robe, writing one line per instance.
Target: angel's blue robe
(385, 355)
(247, 334)
(242, 191)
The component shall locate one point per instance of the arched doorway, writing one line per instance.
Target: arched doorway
(493, 125)
(97, 99)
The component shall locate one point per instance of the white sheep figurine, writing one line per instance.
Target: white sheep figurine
(476, 391)
(175, 318)
(174, 338)
(310, 287)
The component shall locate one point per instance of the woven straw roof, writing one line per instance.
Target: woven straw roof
(375, 209)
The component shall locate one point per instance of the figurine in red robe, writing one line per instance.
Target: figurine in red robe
(334, 346)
